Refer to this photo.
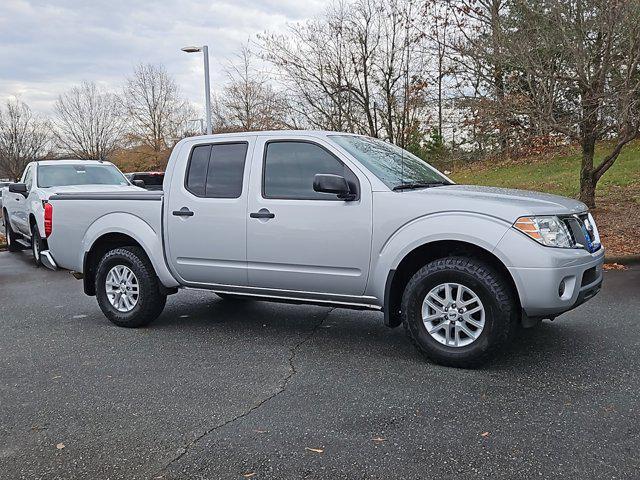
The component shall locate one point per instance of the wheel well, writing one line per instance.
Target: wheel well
(98, 249)
(424, 254)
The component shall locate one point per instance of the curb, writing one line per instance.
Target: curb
(623, 259)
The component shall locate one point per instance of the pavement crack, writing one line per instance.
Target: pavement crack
(282, 387)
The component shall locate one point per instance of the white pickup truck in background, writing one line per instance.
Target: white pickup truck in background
(25, 210)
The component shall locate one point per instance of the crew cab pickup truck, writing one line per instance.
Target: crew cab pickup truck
(25, 209)
(333, 219)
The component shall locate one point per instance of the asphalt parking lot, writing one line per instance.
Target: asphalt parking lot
(222, 389)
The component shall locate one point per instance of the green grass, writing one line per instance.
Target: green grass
(558, 174)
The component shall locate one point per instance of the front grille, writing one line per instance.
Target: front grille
(583, 231)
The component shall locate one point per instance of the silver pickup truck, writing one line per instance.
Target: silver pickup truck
(333, 219)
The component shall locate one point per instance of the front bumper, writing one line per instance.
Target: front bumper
(546, 292)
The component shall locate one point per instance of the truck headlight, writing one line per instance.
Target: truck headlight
(548, 230)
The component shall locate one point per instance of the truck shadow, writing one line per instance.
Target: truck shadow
(344, 331)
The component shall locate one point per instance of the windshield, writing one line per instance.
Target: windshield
(391, 164)
(79, 174)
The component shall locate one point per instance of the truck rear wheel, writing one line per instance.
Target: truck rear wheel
(458, 311)
(127, 288)
(36, 245)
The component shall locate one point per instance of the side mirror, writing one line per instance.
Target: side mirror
(138, 183)
(326, 183)
(18, 188)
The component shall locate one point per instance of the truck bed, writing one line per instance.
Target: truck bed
(80, 217)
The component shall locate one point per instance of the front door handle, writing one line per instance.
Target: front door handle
(183, 212)
(262, 213)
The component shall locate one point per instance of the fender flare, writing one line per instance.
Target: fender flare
(140, 231)
(479, 230)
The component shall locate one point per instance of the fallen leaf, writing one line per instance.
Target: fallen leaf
(613, 266)
(60, 446)
(485, 434)
(316, 450)
(249, 474)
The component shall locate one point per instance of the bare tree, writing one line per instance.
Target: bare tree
(311, 61)
(88, 122)
(248, 100)
(355, 68)
(476, 51)
(578, 64)
(156, 112)
(24, 137)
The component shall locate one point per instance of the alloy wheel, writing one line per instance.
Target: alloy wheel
(123, 288)
(453, 314)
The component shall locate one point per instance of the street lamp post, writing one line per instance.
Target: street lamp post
(207, 92)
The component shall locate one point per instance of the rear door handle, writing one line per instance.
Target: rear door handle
(183, 212)
(262, 213)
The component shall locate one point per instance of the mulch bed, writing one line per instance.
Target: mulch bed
(618, 220)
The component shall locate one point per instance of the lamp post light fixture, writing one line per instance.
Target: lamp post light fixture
(207, 93)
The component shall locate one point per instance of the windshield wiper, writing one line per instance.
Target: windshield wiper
(413, 185)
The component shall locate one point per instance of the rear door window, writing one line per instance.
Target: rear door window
(217, 171)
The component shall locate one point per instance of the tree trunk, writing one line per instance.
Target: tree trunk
(588, 178)
(498, 76)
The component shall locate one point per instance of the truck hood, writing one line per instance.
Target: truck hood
(48, 192)
(508, 204)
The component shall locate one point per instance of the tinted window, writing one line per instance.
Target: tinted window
(197, 176)
(290, 168)
(27, 178)
(79, 174)
(226, 167)
(216, 171)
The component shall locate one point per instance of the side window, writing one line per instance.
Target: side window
(290, 168)
(28, 178)
(216, 171)
(197, 170)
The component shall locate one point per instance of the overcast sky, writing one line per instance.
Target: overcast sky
(48, 46)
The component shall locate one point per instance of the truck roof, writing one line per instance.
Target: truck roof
(69, 162)
(262, 133)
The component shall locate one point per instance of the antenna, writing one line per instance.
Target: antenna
(405, 112)
(402, 166)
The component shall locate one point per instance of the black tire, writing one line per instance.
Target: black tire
(233, 298)
(36, 245)
(150, 302)
(495, 294)
(12, 245)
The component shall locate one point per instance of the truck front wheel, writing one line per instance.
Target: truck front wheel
(127, 288)
(458, 311)
(12, 245)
